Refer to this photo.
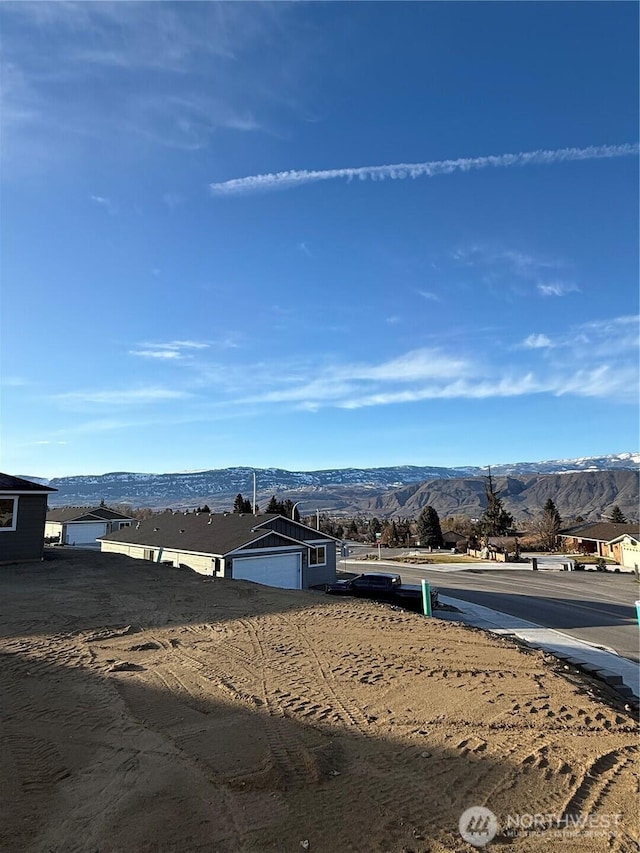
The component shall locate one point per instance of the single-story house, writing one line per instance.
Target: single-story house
(451, 539)
(626, 551)
(268, 549)
(600, 538)
(23, 508)
(82, 525)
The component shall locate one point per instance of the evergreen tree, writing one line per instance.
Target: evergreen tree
(389, 534)
(353, 528)
(242, 505)
(495, 520)
(274, 505)
(428, 528)
(288, 510)
(547, 526)
(617, 516)
(374, 528)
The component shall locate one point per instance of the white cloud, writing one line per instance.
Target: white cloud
(171, 354)
(414, 365)
(537, 342)
(556, 288)
(78, 73)
(399, 171)
(169, 351)
(131, 396)
(428, 294)
(110, 206)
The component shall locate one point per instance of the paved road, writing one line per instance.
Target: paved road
(595, 607)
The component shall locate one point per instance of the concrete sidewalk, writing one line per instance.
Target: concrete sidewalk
(621, 674)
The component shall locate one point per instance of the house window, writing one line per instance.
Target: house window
(8, 514)
(318, 556)
(124, 524)
(149, 554)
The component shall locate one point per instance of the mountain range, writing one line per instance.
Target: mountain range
(587, 486)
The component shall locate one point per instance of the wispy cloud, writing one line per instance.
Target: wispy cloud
(109, 205)
(512, 268)
(599, 360)
(428, 294)
(537, 342)
(124, 397)
(556, 288)
(521, 263)
(94, 84)
(167, 355)
(399, 171)
(170, 351)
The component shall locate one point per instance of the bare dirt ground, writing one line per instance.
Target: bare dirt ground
(150, 709)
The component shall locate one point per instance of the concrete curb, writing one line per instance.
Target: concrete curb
(618, 673)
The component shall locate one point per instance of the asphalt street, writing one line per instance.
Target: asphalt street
(595, 607)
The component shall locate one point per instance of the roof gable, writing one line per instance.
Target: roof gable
(67, 514)
(8, 483)
(295, 529)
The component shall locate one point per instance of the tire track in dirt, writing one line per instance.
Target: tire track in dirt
(598, 778)
(323, 680)
(176, 721)
(294, 766)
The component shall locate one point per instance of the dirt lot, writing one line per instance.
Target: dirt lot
(149, 709)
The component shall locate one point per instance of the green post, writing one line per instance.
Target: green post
(426, 598)
(638, 611)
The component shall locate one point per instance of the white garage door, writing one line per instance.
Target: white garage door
(83, 534)
(283, 570)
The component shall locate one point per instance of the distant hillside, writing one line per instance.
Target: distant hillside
(384, 491)
(591, 494)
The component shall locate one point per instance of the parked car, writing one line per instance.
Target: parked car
(382, 586)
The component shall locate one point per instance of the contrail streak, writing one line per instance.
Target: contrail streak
(284, 180)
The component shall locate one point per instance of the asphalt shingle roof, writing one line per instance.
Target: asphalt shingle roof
(85, 513)
(601, 531)
(8, 483)
(215, 533)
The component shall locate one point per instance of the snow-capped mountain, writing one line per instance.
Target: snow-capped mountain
(341, 487)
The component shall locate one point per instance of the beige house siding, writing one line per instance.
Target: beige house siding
(630, 554)
(53, 528)
(202, 563)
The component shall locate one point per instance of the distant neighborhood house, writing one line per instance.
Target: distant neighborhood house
(267, 549)
(23, 508)
(451, 539)
(619, 542)
(83, 525)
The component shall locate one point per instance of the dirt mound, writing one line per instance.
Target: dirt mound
(255, 719)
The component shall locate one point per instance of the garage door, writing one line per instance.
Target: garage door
(282, 570)
(83, 534)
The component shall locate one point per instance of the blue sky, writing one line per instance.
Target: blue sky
(213, 256)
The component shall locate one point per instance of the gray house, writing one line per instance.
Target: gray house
(267, 549)
(82, 525)
(23, 507)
